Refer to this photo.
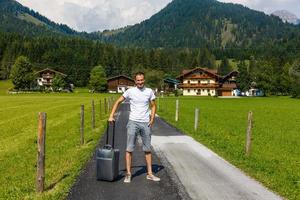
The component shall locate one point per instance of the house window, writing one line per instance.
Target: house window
(208, 81)
(208, 90)
(189, 82)
(188, 90)
(202, 90)
(199, 82)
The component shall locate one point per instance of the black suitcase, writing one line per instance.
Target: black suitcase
(107, 164)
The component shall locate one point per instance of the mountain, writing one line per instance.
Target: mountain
(203, 23)
(181, 24)
(15, 17)
(287, 16)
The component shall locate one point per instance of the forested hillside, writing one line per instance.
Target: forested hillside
(205, 23)
(76, 57)
(16, 18)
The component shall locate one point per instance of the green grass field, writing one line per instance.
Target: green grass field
(274, 159)
(275, 156)
(64, 154)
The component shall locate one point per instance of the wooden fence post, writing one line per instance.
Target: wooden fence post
(108, 104)
(93, 114)
(249, 134)
(196, 119)
(40, 179)
(112, 102)
(177, 110)
(100, 110)
(82, 124)
(105, 106)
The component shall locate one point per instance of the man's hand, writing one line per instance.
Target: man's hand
(114, 108)
(151, 122)
(111, 119)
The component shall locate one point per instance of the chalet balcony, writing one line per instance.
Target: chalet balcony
(47, 76)
(204, 76)
(47, 82)
(228, 86)
(206, 85)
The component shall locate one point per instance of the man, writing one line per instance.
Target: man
(140, 121)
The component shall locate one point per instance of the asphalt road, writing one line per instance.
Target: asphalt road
(204, 174)
(88, 188)
(188, 170)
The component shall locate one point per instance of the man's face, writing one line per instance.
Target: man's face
(139, 81)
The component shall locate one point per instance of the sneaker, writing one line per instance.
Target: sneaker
(152, 178)
(127, 178)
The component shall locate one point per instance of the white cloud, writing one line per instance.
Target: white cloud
(93, 15)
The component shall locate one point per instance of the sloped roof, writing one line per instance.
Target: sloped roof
(212, 72)
(119, 76)
(226, 87)
(52, 70)
(229, 75)
(171, 80)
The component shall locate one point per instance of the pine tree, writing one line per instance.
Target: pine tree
(243, 79)
(224, 67)
(22, 74)
(295, 74)
(98, 79)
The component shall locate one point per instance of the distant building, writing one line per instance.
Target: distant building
(227, 84)
(119, 84)
(170, 85)
(45, 76)
(206, 82)
(254, 92)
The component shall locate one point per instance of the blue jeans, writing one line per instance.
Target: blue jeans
(133, 129)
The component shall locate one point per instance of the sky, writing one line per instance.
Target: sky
(98, 15)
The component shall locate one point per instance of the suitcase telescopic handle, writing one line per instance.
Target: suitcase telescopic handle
(107, 133)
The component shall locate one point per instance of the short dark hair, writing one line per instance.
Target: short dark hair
(138, 74)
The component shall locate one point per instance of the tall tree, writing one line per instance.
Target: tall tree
(295, 74)
(224, 67)
(154, 78)
(98, 79)
(58, 83)
(243, 79)
(207, 59)
(264, 77)
(22, 74)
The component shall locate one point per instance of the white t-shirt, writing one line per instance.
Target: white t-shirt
(139, 103)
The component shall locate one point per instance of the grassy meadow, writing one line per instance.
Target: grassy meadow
(274, 158)
(64, 154)
(275, 152)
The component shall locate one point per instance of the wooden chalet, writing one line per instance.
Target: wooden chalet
(206, 82)
(119, 84)
(227, 84)
(45, 76)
